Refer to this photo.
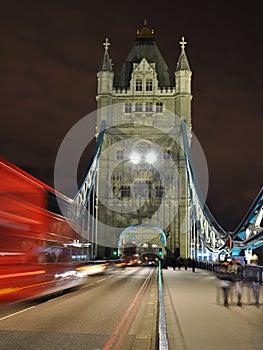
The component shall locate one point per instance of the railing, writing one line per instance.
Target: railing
(213, 267)
(162, 332)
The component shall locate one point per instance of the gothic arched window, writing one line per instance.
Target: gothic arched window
(128, 107)
(119, 154)
(149, 85)
(138, 107)
(159, 191)
(148, 107)
(159, 107)
(138, 85)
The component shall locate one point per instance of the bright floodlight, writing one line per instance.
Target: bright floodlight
(150, 157)
(135, 157)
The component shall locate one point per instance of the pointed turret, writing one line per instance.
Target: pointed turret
(105, 78)
(183, 63)
(183, 94)
(106, 64)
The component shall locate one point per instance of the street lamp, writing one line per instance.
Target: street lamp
(135, 157)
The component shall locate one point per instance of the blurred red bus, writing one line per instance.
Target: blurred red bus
(39, 249)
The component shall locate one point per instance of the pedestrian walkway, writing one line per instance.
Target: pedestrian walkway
(197, 319)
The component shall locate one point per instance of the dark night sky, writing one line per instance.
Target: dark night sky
(50, 54)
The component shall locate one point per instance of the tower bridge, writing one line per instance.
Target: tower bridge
(139, 197)
(141, 185)
(204, 230)
(141, 176)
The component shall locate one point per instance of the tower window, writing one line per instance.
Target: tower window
(138, 107)
(149, 107)
(159, 191)
(149, 85)
(159, 107)
(138, 85)
(119, 154)
(128, 107)
(125, 191)
(169, 177)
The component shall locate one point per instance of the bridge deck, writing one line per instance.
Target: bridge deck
(197, 319)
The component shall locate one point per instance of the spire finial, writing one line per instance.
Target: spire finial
(145, 32)
(106, 64)
(183, 43)
(106, 44)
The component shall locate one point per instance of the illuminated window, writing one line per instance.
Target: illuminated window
(139, 85)
(149, 85)
(159, 107)
(128, 107)
(138, 107)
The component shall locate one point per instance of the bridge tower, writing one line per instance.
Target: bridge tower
(137, 182)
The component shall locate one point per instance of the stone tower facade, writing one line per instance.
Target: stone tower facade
(142, 176)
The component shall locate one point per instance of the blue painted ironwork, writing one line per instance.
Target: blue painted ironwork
(86, 185)
(210, 232)
(249, 233)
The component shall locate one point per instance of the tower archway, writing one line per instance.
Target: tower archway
(137, 235)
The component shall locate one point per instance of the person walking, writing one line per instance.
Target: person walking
(193, 264)
(224, 280)
(179, 262)
(235, 268)
(185, 264)
(253, 276)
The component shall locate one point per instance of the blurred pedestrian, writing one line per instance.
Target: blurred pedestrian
(193, 265)
(235, 268)
(173, 262)
(179, 262)
(252, 274)
(224, 280)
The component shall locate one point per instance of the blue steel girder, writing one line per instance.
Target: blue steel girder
(213, 239)
(86, 185)
(249, 233)
(213, 236)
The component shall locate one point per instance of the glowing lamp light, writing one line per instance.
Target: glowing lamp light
(150, 157)
(135, 157)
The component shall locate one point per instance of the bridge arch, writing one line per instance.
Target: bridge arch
(144, 233)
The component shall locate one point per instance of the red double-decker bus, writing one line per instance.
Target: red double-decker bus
(130, 254)
(39, 248)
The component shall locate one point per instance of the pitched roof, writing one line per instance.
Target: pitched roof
(144, 47)
(106, 63)
(183, 63)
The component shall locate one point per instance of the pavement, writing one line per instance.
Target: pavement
(197, 319)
